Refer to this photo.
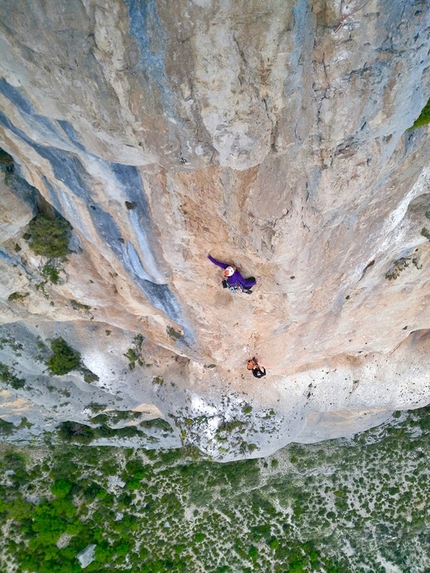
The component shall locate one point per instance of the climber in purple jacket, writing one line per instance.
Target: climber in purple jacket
(233, 278)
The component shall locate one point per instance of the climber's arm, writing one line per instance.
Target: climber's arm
(218, 263)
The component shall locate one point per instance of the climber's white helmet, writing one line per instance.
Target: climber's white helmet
(228, 271)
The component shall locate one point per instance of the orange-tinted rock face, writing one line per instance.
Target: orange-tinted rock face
(254, 133)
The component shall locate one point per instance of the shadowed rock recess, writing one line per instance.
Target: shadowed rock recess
(250, 130)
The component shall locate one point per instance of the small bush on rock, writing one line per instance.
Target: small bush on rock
(49, 237)
(424, 117)
(64, 358)
(50, 272)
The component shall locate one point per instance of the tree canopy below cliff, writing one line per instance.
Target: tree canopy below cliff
(174, 511)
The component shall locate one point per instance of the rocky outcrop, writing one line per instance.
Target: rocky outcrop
(275, 138)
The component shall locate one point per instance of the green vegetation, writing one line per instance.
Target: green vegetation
(157, 423)
(75, 432)
(49, 236)
(96, 408)
(425, 233)
(8, 377)
(5, 159)
(133, 358)
(134, 354)
(6, 428)
(174, 334)
(157, 511)
(64, 359)
(12, 343)
(51, 273)
(424, 117)
(17, 296)
(115, 417)
(88, 375)
(396, 268)
(79, 305)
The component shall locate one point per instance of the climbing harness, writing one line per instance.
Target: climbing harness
(239, 288)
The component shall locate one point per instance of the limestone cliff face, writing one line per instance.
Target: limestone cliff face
(254, 131)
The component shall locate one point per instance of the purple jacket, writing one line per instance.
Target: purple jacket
(236, 278)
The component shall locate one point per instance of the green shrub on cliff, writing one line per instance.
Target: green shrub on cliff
(6, 428)
(49, 236)
(6, 160)
(424, 117)
(75, 432)
(50, 272)
(8, 377)
(64, 358)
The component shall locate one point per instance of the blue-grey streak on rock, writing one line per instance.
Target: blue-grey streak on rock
(131, 183)
(68, 168)
(159, 295)
(299, 61)
(53, 195)
(133, 262)
(303, 33)
(161, 298)
(71, 134)
(15, 96)
(146, 274)
(22, 188)
(312, 184)
(146, 28)
(11, 260)
(108, 230)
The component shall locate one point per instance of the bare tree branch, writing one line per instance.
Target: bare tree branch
(343, 17)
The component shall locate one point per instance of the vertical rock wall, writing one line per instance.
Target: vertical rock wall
(254, 132)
